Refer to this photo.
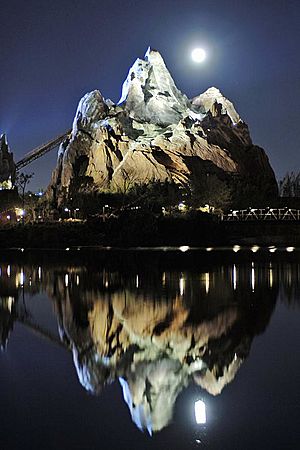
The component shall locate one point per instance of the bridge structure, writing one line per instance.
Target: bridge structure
(262, 214)
(41, 150)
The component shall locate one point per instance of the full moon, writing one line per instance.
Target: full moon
(198, 55)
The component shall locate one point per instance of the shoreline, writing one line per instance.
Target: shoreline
(150, 234)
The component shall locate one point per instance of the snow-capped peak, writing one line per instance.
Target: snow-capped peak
(213, 95)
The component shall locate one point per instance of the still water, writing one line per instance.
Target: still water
(114, 350)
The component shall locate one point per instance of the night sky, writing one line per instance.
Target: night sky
(53, 52)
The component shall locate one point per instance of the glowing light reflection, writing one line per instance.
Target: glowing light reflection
(200, 412)
(252, 278)
(234, 277)
(181, 285)
(207, 283)
(290, 249)
(184, 248)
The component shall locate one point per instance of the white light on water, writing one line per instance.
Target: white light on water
(234, 276)
(290, 249)
(252, 278)
(184, 248)
(181, 285)
(20, 279)
(66, 280)
(200, 412)
(207, 282)
(271, 277)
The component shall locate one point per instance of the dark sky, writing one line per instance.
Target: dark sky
(53, 52)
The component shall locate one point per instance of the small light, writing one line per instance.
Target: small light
(8, 217)
(290, 249)
(272, 249)
(236, 248)
(200, 412)
(66, 280)
(66, 209)
(254, 248)
(184, 248)
(67, 249)
(209, 249)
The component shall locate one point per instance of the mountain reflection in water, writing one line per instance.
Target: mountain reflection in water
(155, 331)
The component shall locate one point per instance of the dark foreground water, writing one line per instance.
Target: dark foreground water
(112, 350)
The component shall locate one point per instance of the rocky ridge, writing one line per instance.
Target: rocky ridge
(7, 165)
(155, 133)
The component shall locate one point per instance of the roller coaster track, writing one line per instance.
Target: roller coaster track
(41, 150)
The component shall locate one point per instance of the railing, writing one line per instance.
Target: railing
(250, 214)
(41, 150)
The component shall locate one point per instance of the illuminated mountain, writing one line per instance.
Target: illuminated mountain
(155, 133)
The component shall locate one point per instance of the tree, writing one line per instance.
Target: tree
(210, 190)
(290, 185)
(22, 181)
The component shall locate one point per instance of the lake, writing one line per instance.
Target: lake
(141, 349)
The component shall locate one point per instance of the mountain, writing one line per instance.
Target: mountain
(155, 133)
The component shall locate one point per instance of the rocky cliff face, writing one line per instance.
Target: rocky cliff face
(156, 133)
(7, 165)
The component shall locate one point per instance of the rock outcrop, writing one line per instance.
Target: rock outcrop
(7, 165)
(155, 133)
